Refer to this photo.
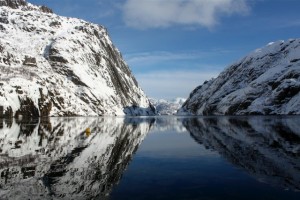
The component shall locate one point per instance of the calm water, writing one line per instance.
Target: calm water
(151, 158)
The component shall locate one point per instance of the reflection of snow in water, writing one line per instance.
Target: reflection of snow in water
(56, 157)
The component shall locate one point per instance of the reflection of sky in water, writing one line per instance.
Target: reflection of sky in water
(168, 143)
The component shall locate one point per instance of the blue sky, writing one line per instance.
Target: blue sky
(172, 46)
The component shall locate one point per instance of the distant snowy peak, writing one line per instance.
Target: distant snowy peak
(59, 66)
(179, 100)
(267, 81)
(165, 107)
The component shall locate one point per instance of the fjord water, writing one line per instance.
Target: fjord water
(151, 158)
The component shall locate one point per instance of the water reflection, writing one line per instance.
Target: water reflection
(267, 147)
(57, 158)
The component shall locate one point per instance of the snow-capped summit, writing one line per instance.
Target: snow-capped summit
(266, 82)
(165, 107)
(59, 66)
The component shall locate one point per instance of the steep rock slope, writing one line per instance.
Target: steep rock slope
(59, 66)
(267, 81)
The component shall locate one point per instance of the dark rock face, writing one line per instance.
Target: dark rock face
(30, 61)
(1, 111)
(266, 82)
(46, 9)
(27, 109)
(8, 113)
(13, 3)
(4, 20)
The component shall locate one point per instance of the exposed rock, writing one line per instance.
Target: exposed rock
(8, 113)
(266, 82)
(4, 20)
(55, 24)
(27, 109)
(1, 111)
(30, 61)
(22, 4)
(13, 3)
(46, 9)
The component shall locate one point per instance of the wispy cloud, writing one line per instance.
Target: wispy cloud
(171, 84)
(158, 56)
(288, 23)
(145, 14)
(150, 58)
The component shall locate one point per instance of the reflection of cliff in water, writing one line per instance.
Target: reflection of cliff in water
(56, 158)
(267, 147)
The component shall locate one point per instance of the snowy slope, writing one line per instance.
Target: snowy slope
(267, 81)
(165, 107)
(59, 66)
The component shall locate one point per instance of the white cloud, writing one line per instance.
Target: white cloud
(172, 84)
(164, 13)
(160, 56)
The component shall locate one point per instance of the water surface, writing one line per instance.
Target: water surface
(151, 158)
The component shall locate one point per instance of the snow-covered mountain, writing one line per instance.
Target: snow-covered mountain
(267, 82)
(60, 66)
(57, 159)
(266, 147)
(165, 107)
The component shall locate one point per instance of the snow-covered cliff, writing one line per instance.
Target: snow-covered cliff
(266, 82)
(59, 66)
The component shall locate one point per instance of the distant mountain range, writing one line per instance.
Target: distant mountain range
(165, 107)
(265, 82)
(60, 66)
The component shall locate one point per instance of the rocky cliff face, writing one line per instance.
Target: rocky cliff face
(59, 66)
(57, 159)
(266, 82)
